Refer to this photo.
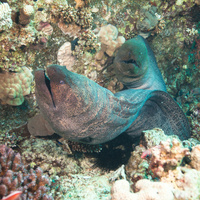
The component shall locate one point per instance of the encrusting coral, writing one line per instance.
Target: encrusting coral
(14, 86)
(176, 168)
(167, 156)
(146, 190)
(14, 175)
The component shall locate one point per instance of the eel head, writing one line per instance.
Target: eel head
(131, 61)
(56, 91)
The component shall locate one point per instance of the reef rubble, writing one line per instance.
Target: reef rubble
(86, 36)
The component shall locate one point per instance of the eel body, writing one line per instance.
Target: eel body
(78, 109)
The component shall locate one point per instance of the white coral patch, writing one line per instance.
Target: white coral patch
(5, 16)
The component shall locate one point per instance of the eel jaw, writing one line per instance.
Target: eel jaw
(131, 61)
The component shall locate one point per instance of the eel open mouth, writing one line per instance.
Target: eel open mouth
(132, 61)
(47, 82)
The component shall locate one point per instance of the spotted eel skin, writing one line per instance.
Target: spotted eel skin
(78, 109)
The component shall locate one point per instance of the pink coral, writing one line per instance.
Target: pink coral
(167, 156)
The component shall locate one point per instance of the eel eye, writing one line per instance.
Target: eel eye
(61, 82)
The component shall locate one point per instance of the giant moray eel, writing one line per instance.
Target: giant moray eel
(78, 109)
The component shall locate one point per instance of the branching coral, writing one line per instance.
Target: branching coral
(88, 42)
(14, 175)
(70, 15)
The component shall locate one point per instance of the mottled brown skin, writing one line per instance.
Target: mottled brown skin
(78, 109)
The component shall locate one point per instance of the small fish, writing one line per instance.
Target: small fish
(146, 154)
(13, 196)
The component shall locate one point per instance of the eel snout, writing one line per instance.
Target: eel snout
(43, 87)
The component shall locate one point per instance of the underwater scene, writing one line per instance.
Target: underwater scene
(99, 100)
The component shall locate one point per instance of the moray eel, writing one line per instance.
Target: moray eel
(78, 109)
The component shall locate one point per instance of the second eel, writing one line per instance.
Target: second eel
(78, 109)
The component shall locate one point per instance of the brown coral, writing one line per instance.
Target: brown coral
(14, 175)
(71, 30)
(70, 15)
(79, 4)
(25, 14)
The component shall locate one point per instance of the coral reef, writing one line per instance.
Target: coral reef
(10, 139)
(70, 15)
(71, 30)
(110, 41)
(25, 14)
(5, 16)
(14, 175)
(180, 186)
(87, 42)
(31, 35)
(136, 167)
(14, 86)
(79, 4)
(65, 57)
(48, 156)
(170, 163)
(147, 21)
(195, 118)
(145, 190)
(195, 157)
(167, 156)
(151, 138)
(77, 177)
(173, 8)
(90, 185)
